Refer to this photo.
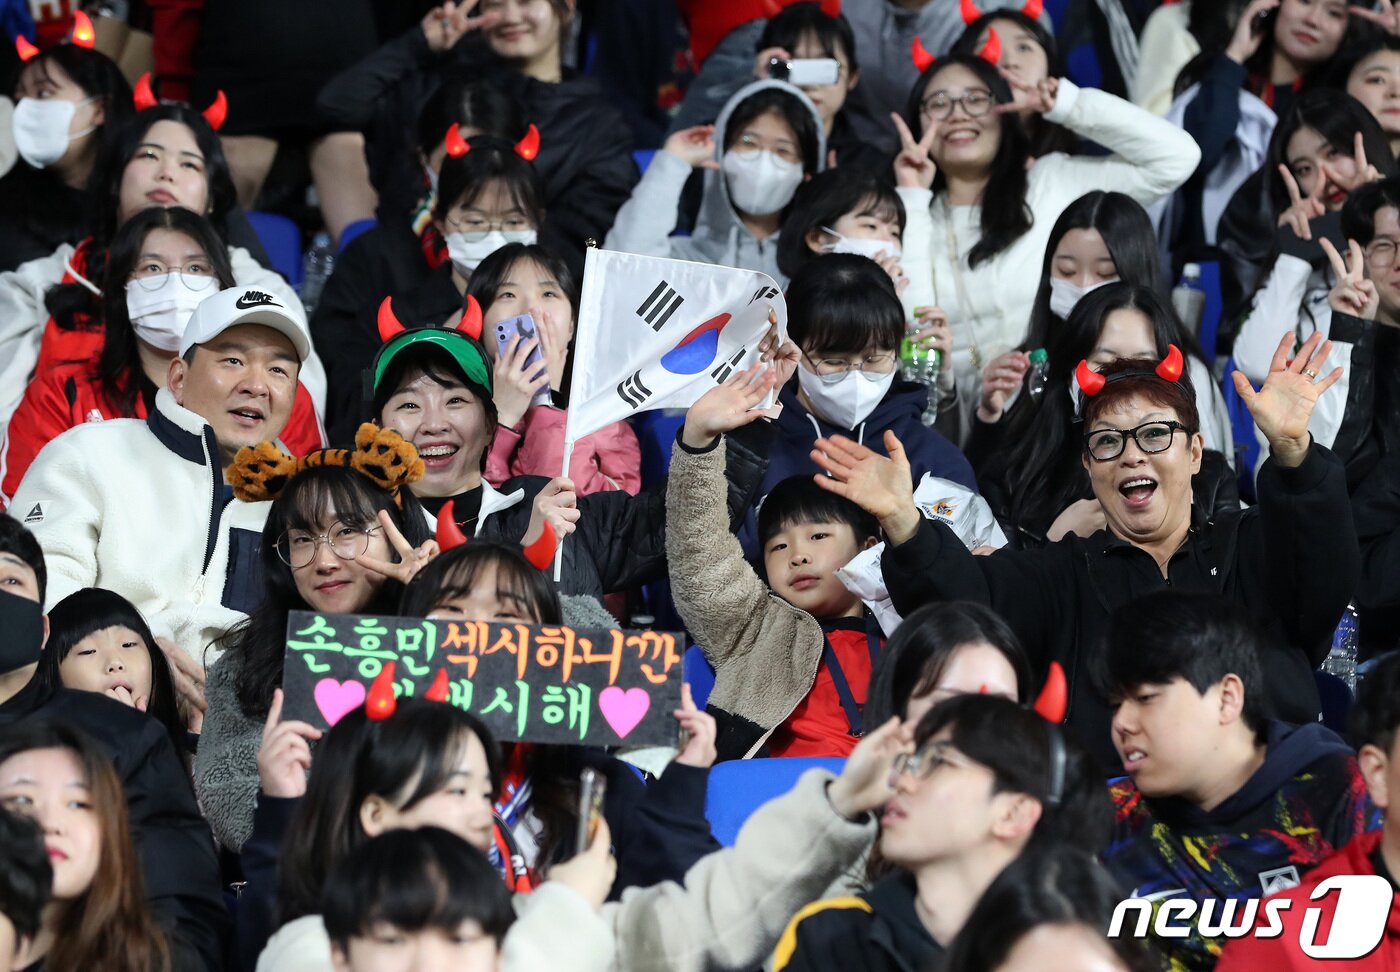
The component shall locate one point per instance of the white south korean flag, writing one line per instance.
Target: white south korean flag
(658, 333)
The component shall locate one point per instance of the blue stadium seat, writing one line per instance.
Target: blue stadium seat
(282, 241)
(1242, 425)
(1336, 701)
(1215, 307)
(700, 676)
(739, 787)
(656, 431)
(355, 229)
(643, 157)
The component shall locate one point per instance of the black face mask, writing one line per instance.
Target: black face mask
(21, 631)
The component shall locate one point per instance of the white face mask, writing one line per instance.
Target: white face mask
(41, 129)
(160, 307)
(759, 182)
(467, 254)
(1065, 296)
(861, 246)
(847, 402)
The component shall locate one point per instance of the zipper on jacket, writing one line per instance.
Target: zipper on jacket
(215, 504)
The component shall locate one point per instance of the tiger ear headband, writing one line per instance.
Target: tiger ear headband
(262, 472)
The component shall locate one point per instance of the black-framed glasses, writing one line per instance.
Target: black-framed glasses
(1151, 437)
(939, 105)
(297, 548)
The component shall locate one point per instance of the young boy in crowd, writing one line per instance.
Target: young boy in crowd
(25, 881)
(792, 659)
(1220, 804)
(1376, 732)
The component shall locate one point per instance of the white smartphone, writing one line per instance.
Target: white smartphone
(805, 72)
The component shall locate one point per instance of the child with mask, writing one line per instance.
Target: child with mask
(770, 140)
(162, 263)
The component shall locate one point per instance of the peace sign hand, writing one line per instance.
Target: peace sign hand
(912, 166)
(1365, 172)
(1282, 407)
(1302, 209)
(1038, 97)
(411, 559)
(1387, 17)
(1353, 293)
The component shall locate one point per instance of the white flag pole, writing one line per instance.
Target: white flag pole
(559, 545)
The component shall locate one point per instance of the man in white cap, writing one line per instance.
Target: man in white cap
(140, 507)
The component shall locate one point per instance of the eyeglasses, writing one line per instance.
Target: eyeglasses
(922, 763)
(939, 106)
(197, 276)
(871, 367)
(297, 548)
(748, 144)
(475, 227)
(1151, 437)
(1381, 254)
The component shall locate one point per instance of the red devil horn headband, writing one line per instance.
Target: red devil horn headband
(449, 534)
(1090, 381)
(470, 324)
(969, 11)
(1169, 368)
(920, 55)
(529, 146)
(381, 702)
(389, 325)
(83, 34)
(25, 49)
(1172, 365)
(1054, 696)
(456, 145)
(438, 691)
(991, 51)
(1033, 9)
(144, 97)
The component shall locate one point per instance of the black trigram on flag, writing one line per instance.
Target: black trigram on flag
(632, 391)
(764, 293)
(657, 309)
(722, 373)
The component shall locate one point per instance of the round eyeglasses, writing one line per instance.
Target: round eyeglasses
(921, 763)
(1151, 437)
(297, 548)
(871, 367)
(475, 228)
(196, 277)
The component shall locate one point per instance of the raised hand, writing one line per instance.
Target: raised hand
(1038, 98)
(726, 407)
(1387, 17)
(188, 678)
(864, 783)
(284, 758)
(1353, 293)
(1283, 405)
(888, 262)
(933, 332)
(699, 730)
(1246, 39)
(555, 505)
(590, 874)
(555, 334)
(778, 352)
(883, 487)
(1365, 171)
(1083, 518)
(912, 166)
(411, 559)
(760, 63)
(1002, 376)
(1302, 209)
(694, 146)
(516, 383)
(449, 22)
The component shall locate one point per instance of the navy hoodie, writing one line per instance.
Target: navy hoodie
(788, 443)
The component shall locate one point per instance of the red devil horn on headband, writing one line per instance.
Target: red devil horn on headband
(449, 534)
(529, 146)
(541, 553)
(456, 145)
(217, 112)
(26, 50)
(1090, 381)
(991, 51)
(438, 693)
(143, 97)
(1033, 8)
(389, 324)
(969, 11)
(1054, 696)
(832, 8)
(1172, 365)
(381, 701)
(470, 324)
(922, 58)
(83, 34)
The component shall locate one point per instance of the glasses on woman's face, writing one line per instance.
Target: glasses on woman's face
(1380, 253)
(872, 367)
(939, 105)
(297, 548)
(749, 143)
(475, 226)
(922, 763)
(197, 275)
(1151, 437)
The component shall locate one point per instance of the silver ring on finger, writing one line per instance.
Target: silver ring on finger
(1312, 375)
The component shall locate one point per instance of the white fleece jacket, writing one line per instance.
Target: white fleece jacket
(137, 507)
(23, 317)
(1151, 158)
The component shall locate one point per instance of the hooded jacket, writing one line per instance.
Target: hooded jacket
(1305, 801)
(878, 931)
(1284, 953)
(645, 223)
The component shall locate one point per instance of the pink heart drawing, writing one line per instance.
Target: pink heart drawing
(623, 710)
(335, 699)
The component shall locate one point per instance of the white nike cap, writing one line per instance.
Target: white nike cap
(245, 305)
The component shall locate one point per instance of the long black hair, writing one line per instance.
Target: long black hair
(259, 642)
(93, 609)
(464, 178)
(73, 305)
(473, 103)
(1038, 465)
(1337, 117)
(1005, 217)
(1045, 136)
(824, 199)
(119, 367)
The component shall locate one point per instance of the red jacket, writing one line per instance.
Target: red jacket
(1284, 952)
(66, 395)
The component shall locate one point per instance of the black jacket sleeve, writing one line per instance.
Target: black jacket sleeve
(349, 100)
(1376, 510)
(1214, 113)
(665, 830)
(1352, 443)
(257, 906)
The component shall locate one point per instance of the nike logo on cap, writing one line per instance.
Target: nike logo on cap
(254, 298)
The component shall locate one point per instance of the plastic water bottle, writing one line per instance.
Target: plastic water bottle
(316, 269)
(1040, 374)
(1341, 660)
(919, 364)
(1189, 298)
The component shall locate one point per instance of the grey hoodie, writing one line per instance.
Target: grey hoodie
(645, 222)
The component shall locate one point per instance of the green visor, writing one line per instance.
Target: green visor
(468, 354)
